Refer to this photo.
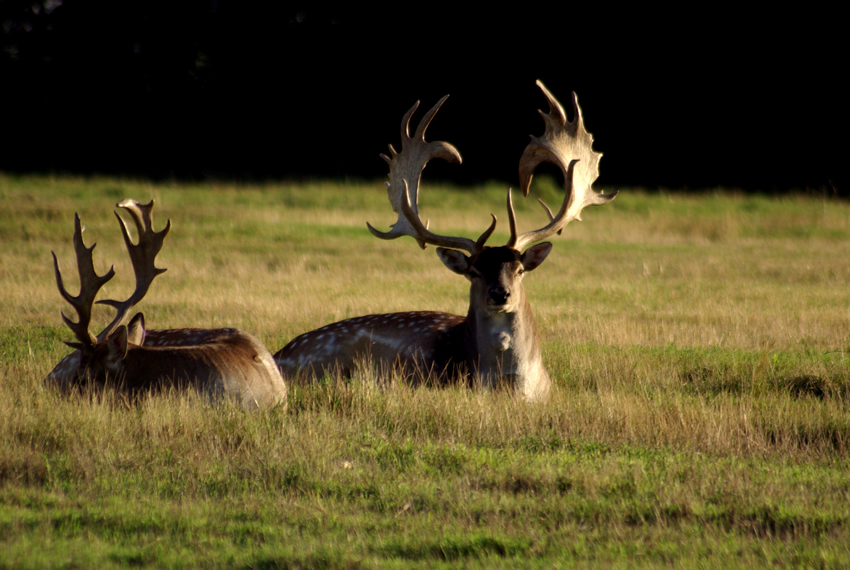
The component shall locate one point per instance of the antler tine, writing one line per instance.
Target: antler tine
(556, 223)
(142, 255)
(403, 188)
(568, 145)
(479, 244)
(549, 213)
(511, 220)
(90, 284)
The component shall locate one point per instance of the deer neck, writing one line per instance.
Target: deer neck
(504, 347)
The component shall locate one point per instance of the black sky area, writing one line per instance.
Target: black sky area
(252, 91)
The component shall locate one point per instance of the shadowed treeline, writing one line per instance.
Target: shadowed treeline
(225, 89)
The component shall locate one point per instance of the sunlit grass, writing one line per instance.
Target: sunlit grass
(698, 345)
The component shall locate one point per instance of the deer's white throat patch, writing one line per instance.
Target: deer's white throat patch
(501, 332)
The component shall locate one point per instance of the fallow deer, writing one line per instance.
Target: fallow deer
(497, 342)
(216, 362)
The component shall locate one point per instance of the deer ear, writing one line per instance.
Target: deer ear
(116, 347)
(535, 255)
(454, 260)
(136, 331)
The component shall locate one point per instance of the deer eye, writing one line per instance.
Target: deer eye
(520, 271)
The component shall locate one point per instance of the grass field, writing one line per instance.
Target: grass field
(699, 347)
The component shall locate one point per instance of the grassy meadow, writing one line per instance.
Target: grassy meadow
(699, 346)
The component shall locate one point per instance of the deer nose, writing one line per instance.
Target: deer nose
(499, 295)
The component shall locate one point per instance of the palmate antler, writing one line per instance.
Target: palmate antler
(142, 255)
(405, 169)
(90, 284)
(564, 143)
(569, 146)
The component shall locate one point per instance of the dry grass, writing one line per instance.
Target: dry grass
(698, 346)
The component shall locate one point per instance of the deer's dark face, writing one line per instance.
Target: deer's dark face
(496, 274)
(105, 359)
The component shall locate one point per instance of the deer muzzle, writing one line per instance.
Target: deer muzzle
(498, 296)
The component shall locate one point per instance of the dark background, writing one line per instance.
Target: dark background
(697, 98)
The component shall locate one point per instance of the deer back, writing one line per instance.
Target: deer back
(235, 366)
(419, 346)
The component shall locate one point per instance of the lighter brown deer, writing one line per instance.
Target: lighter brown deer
(497, 342)
(131, 360)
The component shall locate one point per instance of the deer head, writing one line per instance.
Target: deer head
(104, 353)
(496, 272)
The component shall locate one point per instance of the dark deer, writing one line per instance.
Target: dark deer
(497, 342)
(134, 361)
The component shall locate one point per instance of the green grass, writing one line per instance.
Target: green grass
(699, 347)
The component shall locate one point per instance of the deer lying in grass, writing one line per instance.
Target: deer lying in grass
(134, 361)
(497, 342)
